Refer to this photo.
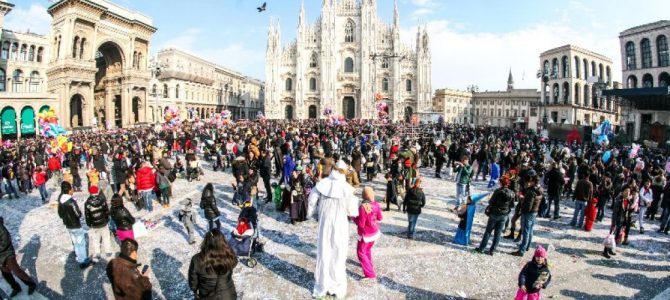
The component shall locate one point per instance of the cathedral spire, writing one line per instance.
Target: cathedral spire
(396, 15)
(301, 18)
(510, 81)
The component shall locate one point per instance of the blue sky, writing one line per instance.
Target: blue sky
(473, 42)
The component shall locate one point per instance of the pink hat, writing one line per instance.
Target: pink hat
(540, 252)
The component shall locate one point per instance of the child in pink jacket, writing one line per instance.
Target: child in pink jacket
(369, 216)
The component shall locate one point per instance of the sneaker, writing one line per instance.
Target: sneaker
(606, 254)
(489, 253)
(517, 253)
(480, 251)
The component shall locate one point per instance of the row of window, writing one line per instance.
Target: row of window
(17, 80)
(552, 70)
(491, 112)
(313, 85)
(498, 102)
(590, 96)
(662, 55)
(165, 93)
(26, 53)
(648, 81)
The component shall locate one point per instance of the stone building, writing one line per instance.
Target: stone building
(342, 61)
(23, 81)
(198, 87)
(509, 108)
(570, 77)
(454, 105)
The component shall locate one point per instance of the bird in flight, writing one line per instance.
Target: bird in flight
(262, 7)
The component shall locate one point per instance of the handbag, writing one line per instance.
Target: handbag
(609, 242)
(139, 230)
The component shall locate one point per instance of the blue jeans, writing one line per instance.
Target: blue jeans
(11, 189)
(146, 197)
(78, 237)
(411, 228)
(497, 223)
(547, 210)
(460, 193)
(527, 224)
(578, 216)
(43, 192)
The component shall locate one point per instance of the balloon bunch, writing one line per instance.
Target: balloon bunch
(327, 112)
(602, 132)
(633, 151)
(336, 120)
(60, 144)
(382, 110)
(225, 117)
(49, 123)
(260, 116)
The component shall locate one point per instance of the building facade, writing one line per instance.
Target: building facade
(23, 81)
(342, 61)
(570, 78)
(199, 88)
(646, 64)
(454, 105)
(509, 108)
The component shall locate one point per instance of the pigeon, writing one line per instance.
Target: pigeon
(262, 7)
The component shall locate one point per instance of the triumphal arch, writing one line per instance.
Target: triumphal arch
(98, 65)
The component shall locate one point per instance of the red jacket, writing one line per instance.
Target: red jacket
(54, 164)
(146, 179)
(40, 178)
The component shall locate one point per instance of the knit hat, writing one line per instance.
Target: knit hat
(93, 190)
(540, 252)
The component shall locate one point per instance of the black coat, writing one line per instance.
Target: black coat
(122, 218)
(501, 201)
(69, 212)
(265, 167)
(96, 211)
(414, 201)
(208, 204)
(6, 247)
(120, 167)
(210, 286)
(99, 163)
(531, 272)
(555, 182)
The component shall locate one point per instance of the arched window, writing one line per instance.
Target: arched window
(631, 63)
(314, 60)
(17, 81)
(600, 71)
(647, 81)
(15, 51)
(40, 53)
(312, 84)
(564, 67)
(663, 79)
(176, 92)
(608, 74)
(34, 82)
(31, 53)
(165, 90)
(349, 32)
(81, 48)
(385, 84)
(593, 69)
(587, 96)
(24, 52)
(348, 65)
(154, 90)
(75, 45)
(566, 93)
(577, 67)
(554, 93)
(2, 80)
(499, 112)
(586, 69)
(554, 68)
(545, 71)
(408, 85)
(385, 63)
(661, 50)
(5, 50)
(289, 84)
(632, 82)
(645, 48)
(577, 94)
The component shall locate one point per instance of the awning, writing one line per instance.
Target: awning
(28, 120)
(8, 120)
(644, 98)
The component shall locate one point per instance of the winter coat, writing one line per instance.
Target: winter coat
(69, 212)
(464, 174)
(210, 286)
(39, 178)
(501, 201)
(54, 164)
(555, 182)
(208, 204)
(96, 211)
(122, 218)
(119, 170)
(533, 274)
(414, 201)
(495, 171)
(146, 179)
(6, 247)
(127, 282)
(583, 190)
(532, 199)
(99, 163)
(265, 167)
(368, 223)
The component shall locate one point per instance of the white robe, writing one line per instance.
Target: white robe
(336, 202)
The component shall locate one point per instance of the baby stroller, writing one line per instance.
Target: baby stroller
(243, 241)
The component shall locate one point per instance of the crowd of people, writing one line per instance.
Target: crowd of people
(311, 169)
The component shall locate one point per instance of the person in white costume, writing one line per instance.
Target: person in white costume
(333, 198)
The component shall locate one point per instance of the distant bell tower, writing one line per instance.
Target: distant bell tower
(510, 81)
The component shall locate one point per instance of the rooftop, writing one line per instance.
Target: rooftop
(645, 27)
(570, 47)
(113, 9)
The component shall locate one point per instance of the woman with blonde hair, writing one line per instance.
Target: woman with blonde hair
(369, 216)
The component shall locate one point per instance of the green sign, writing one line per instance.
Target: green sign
(28, 121)
(8, 121)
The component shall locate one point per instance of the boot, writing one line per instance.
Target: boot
(606, 253)
(510, 235)
(611, 252)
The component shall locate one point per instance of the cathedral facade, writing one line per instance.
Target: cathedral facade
(343, 62)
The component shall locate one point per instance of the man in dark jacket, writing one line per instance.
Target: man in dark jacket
(555, 183)
(498, 210)
(583, 193)
(9, 265)
(439, 154)
(96, 212)
(265, 170)
(127, 281)
(414, 201)
(119, 170)
(529, 207)
(69, 212)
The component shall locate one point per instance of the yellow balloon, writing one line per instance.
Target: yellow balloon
(69, 146)
(51, 114)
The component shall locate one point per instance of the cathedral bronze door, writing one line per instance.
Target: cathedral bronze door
(349, 108)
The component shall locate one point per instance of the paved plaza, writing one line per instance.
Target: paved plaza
(429, 267)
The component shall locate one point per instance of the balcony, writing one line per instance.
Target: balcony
(348, 76)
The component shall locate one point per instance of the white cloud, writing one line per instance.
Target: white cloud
(35, 18)
(463, 58)
(423, 8)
